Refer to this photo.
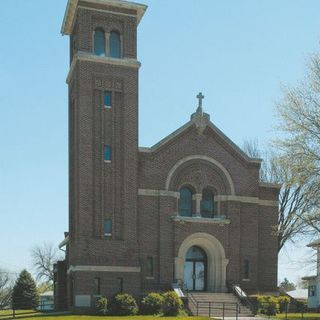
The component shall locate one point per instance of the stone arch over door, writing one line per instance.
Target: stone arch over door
(216, 264)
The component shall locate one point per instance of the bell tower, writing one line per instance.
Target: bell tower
(103, 146)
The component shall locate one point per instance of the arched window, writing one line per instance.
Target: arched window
(99, 42)
(185, 202)
(115, 45)
(196, 254)
(207, 204)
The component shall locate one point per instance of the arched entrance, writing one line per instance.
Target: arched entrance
(215, 263)
(195, 269)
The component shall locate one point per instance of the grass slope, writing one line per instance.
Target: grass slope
(39, 316)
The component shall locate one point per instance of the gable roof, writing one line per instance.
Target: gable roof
(201, 121)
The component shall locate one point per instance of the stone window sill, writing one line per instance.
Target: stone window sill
(219, 220)
(149, 278)
(246, 280)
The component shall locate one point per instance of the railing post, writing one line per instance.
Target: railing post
(237, 311)
(210, 309)
(197, 308)
(13, 313)
(223, 310)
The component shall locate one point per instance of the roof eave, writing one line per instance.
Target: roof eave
(68, 20)
(209, 124)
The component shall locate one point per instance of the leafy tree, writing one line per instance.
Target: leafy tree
(286, 285)
(25, 294)
(299, 114)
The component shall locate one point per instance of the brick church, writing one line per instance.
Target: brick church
(188, 211)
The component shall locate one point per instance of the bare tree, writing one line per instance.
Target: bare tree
(298, 200)
(5, 289)
(44, 258)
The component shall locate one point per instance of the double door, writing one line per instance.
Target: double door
(195, 275)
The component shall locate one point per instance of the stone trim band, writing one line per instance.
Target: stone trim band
(88, 56)
(103, 269)
(253, 200)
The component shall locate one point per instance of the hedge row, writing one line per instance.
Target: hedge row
(123, 304)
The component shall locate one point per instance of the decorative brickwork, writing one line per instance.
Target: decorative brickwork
(138, 190)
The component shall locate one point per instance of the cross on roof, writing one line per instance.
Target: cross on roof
(200, 96)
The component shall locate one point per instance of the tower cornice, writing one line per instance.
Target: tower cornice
(72, 6)
(84, 56)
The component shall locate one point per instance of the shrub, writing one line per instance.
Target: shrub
(283, 303)
(102, 305)
(271, 305)
(152, 304)
(124, 304)
(172, 304)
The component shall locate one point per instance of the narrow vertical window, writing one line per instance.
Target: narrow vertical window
(115, 45)
(107, 99)
(99, 43)
(107, 153)
(149, 266)
(246, 269)
(312, 292)
(185, 202)
(71, 292)
(207, 204)
(108, 227)
(97, 287)
(120, 281)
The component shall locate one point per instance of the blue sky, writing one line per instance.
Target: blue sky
(238, 53)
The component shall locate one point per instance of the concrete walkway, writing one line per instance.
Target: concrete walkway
(241, 318)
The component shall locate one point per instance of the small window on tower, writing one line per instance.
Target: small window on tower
(107, 153)
(149, 267)
(246, 269)
(99, 45)
(115, 45)
(97, 286)
(107, 99)
(108, 228)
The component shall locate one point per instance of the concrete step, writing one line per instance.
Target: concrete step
(217, 300)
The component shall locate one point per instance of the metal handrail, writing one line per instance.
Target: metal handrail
(224, 306)
(243, 298)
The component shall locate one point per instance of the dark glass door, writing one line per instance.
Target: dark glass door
(195, 275)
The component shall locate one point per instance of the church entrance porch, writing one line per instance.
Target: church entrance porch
(201, 263)
(195, 269)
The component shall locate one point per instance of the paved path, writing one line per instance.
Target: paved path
(241, 318)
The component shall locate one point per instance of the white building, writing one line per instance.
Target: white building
(314, 281)
(46, 302)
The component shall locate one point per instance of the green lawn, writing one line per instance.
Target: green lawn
(40, 316)
(8, 313)
(309, 316)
